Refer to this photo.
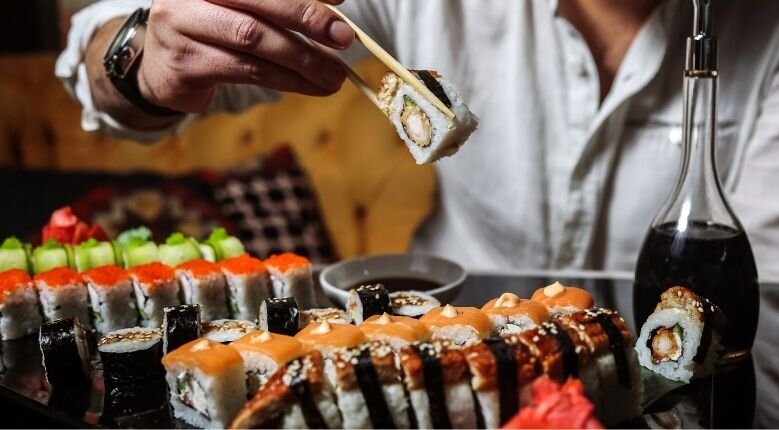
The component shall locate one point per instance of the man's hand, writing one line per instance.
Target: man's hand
(192, 46)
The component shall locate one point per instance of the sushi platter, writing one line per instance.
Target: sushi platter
(130, 333)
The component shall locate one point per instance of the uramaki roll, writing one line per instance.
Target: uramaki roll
(461, 325)
(560, 300)
(510, 314)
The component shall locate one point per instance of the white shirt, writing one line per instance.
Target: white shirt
(554, 179)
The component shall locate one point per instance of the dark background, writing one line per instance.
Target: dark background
(29, 25)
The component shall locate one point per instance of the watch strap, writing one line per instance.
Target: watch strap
(129, 89)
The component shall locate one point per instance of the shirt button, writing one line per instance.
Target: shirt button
(675, 135)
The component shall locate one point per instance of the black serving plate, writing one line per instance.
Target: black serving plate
(725, 400)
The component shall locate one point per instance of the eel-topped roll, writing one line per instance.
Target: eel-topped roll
(561, 300)
(680, 339)
(429, 133)
(395, 330)
(510, 314)
(461, 325)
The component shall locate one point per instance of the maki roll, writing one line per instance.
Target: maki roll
(510, 314)
(263, 354)
(65, 352)
(180, 325)
(367, 301)
(610, 344)
(429, 133)
(226, 331)
(202, 283)
(19, 306)
(328, 338)
(206, 382)
(156, 288)
(280, 316)
(369, 388)
(331, 315)
(680, 339)
(111, 298)
(131, 355)
(297, 396)
(63, 295)
(247, 285)
(437, 382)
(396, 331)
(412, 304)
(461, 325)
(291, 276)
(561, 300)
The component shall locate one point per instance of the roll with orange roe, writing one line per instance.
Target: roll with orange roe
(562, 300)
(155, 288)
(63, 295)
(203, 283)
(247, 285)
(19, 315)
(461, 325)
(111, 298)
(291, 276)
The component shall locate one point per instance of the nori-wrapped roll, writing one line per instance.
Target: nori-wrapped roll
(65, 352)
(280, 316)
(132, 355)
(367, 301)
(180, 324)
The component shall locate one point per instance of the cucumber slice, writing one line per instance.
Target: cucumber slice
(13, 255)
(231, 247)
(81, 259)
(179, 249)
(92, 254)
(50, 255)
(208, 252)
(138, 254)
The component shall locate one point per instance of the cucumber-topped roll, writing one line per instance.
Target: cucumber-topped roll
(51, 255)
(248, 285)
(65, 352)
(111, 298)
(19, 305)
(134, 248)
(291, 276)
(63, 295)
(14, 255)
(428, 132)
(366, 301)
(156, 288)
(179, 249)
(280, 316)
(221, 246)
(202, 283)
(680, 340)
(91, 254)
(180, 325)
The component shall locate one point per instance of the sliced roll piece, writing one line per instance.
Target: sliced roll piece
(263, 354)
(111, 298)
(461, 325)
(369, 388)
(203, 283)
(19, 306)
(297, 396)
(207, 383)
(396, 331)
(226, 331)
(561, 300)
(331, 315)
(131, 355)
(180, 325)
(247, 285)
(63, 295)
(156, 288)
(327, 337)
(65, 352)
(280, 316)
(366, 301)
(510, 314)
(412, 304)
(438, 386)
(291, 276)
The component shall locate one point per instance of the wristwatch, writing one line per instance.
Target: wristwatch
(121, 63)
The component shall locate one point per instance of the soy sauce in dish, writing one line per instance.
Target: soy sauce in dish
(401, 284)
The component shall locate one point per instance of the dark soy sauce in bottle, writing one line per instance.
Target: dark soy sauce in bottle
(696, 240)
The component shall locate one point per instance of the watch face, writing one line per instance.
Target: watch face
(119, 46)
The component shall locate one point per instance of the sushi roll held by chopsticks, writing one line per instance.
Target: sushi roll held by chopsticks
(428, 132)
(19, 315)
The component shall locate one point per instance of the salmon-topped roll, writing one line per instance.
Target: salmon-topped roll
(395, 330)
(156, 288)
(247, 285)
(203, 283)
(63, 295)
(327, 337)
(561, 300)
(207, 383)
(461, 325)
(263, 354)
(510, 314)
(19, 314)
(111, 297)
(291, 276)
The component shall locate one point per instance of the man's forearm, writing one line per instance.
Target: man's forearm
(105, 96)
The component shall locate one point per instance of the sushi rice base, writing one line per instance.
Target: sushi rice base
(684, 367)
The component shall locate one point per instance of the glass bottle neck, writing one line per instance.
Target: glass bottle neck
(698, 196)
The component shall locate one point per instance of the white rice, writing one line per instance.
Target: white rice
(296, 282)
(507, 325)
(226, 331)
(208, 292)
(684, 368)
(113, 306)
(246, 292)
(64, 302)
(489, 401)
(19, 314)
(459, 334)
(217, 398)
(153, 299)
(462, 410)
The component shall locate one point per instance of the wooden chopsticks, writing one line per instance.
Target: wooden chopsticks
(390, 62)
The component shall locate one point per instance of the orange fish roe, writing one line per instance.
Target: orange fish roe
(12, 279)
(242, 265)
(284, 262)
(106, 275)
(59, 277)
(153, 273)
(200, 267)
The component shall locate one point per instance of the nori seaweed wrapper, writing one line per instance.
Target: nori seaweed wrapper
(134, 365)
(282, 316)
(59, 343)
(180, 325)
(375, 300)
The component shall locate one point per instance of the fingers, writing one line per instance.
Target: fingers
(240, 31)
(308, 17)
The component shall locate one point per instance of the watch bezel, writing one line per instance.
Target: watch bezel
(122, 52)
